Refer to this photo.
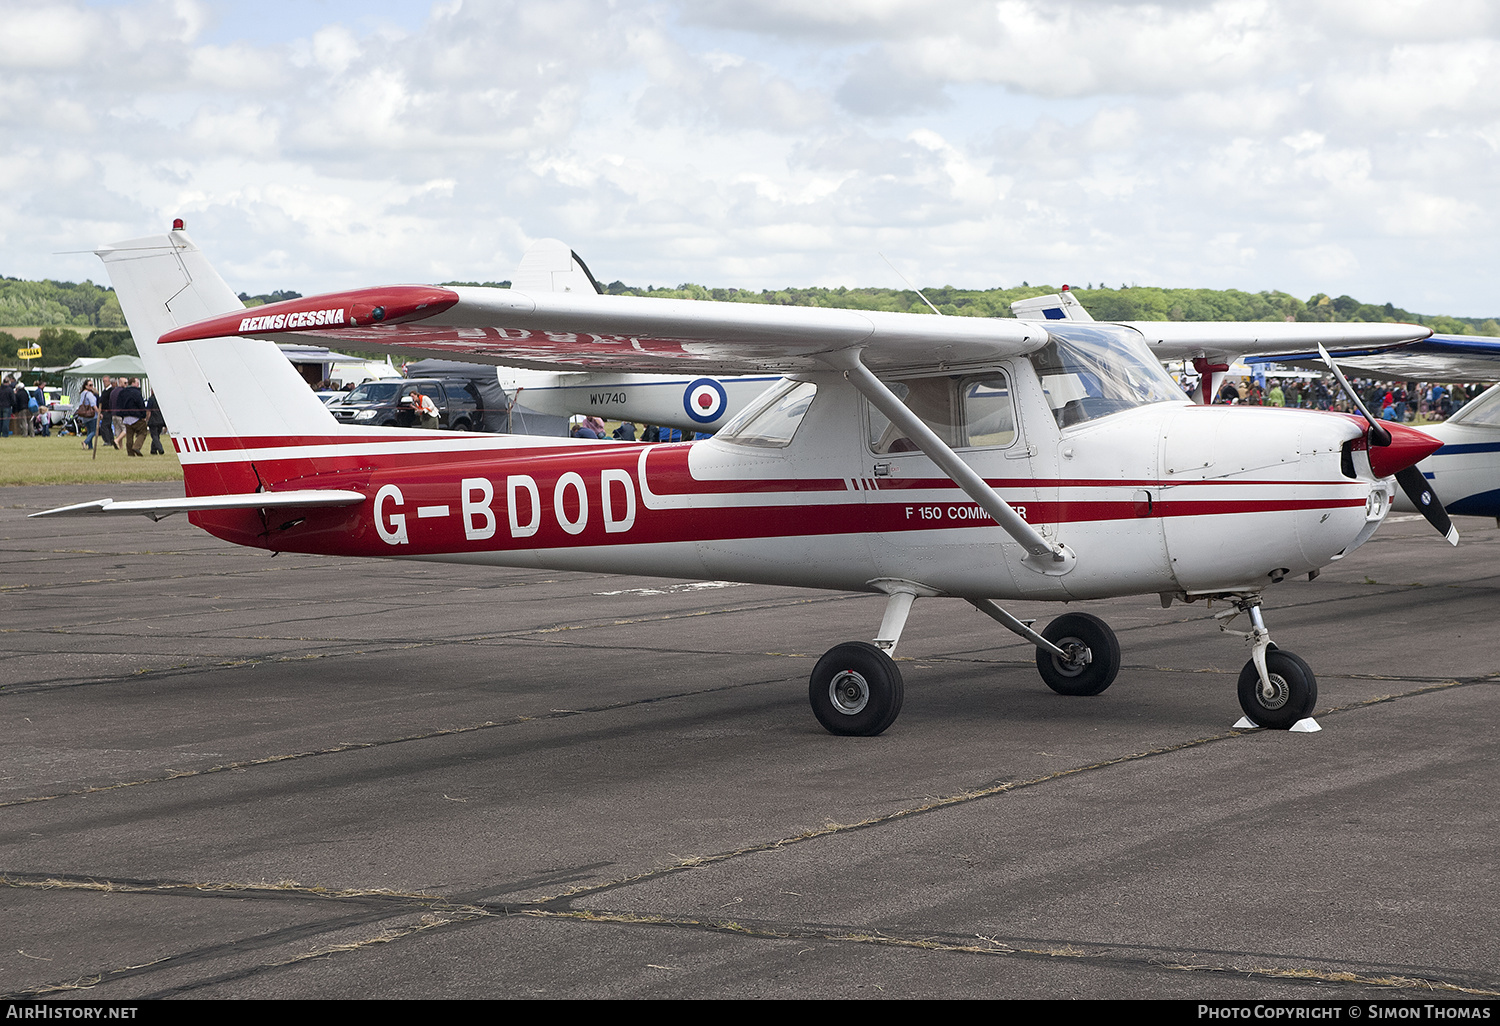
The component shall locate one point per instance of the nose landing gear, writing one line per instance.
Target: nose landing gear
(1277, 689)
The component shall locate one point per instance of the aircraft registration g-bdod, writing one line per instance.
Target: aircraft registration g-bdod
(910, 455)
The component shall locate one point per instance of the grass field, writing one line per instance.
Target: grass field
(33, 461)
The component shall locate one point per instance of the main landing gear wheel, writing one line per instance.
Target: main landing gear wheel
(1094, 655)
(1291, 696)
(855, 690)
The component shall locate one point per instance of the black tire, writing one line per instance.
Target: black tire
(1098, 655)
(1294, 691)
(460, 425)
(855, 690)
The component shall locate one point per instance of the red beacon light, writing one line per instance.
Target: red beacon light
(177, 224)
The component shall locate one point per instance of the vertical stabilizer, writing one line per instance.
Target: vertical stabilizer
(214, 389)
(1063, 306)
(550, 266)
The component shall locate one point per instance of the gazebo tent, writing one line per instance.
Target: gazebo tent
(114, 367)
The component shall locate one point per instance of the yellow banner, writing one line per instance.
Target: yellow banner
(34, 353)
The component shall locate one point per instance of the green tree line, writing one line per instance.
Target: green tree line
(61, 346)
(84, 319)
(1127, 303)
(63, 303)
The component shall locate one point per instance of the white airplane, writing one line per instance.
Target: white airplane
(1468, 464)
(690, 402)
(914, 456)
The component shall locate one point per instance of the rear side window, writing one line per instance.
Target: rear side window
(772, 421)
(989, 413)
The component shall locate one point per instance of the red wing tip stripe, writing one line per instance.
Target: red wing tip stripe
(358, 308)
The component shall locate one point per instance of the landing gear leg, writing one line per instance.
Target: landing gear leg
(856, 688)
(1277, 689)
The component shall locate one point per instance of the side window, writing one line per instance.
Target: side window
(931, 399)
(963, 411)
(989, 414)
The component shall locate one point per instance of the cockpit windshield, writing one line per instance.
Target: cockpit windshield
(1089, 373)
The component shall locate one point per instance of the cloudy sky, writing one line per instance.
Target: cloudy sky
(1334, 146)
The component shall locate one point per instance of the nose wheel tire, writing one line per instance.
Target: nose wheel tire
(1093, 650)
(855, 690)
(1291, 697)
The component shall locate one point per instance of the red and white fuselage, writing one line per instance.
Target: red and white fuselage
(1166, 498)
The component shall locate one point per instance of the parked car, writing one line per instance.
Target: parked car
(460, 406)
(59, 406)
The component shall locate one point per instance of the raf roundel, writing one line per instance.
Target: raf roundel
(704, 400)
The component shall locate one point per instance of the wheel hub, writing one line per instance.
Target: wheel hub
(849, 692)
(1079, 657)
(1273, 692)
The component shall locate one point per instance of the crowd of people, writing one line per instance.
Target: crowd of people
(22, 409)
(118, 414)
(1397, 401)
(594, 427)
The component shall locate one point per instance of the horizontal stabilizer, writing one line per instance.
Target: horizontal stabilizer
(157, 509)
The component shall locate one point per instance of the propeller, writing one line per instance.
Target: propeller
(1425, 499)
(1395, 450)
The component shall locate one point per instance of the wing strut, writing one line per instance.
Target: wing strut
(1045, 557)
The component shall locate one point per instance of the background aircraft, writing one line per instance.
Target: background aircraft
(689, 402)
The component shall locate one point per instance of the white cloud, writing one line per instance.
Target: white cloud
(1252, 143)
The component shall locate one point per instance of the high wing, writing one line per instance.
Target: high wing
(551, 330)
(562, 330)
(1439, 358)
(1223, 342)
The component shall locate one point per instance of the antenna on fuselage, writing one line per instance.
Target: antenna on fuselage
(910, 285)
